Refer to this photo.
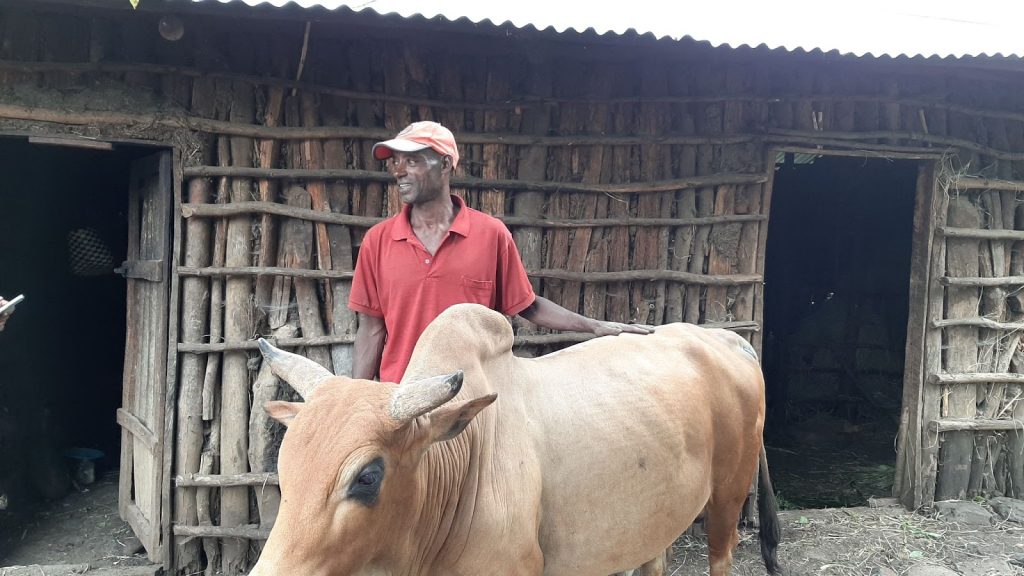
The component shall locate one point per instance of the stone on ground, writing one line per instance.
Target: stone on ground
(1009, 509)
(964, 512)
(930, 570)
(984, 567)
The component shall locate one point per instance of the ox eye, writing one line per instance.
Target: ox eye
(366, 487)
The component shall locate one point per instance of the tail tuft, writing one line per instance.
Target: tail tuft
(769, 532)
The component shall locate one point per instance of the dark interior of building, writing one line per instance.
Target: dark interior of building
(63, 230)
(836, 300)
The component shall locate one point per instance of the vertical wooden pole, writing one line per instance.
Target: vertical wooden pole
(618, 307)
(267, 153)
(961, 352)
(585, 204)
(562, 167)
(651, 252)
(396, 115)
(451, 88)
(297, 239)
(496, 158)
(709, 121)
(342, 320)
(685, 200)
(194, 323)
(533, 166)
(594, 300)
(908, 448)
(238, 327)
(312, 158)
(369, 198)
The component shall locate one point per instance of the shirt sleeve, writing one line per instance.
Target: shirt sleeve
(516, 292)
(365, 296)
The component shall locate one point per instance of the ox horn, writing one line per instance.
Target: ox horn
(303, 374)
(416, 398)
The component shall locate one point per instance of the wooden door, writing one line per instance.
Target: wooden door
(141, 415)
(963, 387)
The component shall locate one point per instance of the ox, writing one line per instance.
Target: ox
(594, 459)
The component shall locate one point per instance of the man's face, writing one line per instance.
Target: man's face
(421, 176)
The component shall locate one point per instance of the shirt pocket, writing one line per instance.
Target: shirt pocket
(478, 291)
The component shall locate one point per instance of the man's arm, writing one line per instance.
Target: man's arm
(5, 315)
(547, 314)
(368, 347)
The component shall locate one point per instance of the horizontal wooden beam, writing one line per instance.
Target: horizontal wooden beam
(977, 378)
(242, 208)
(980, 282)
(194, 348)
(137, 428)
(513, 221)
(223, 271)
(503, 104)
(909, 135)
(550, 274)
(226, 128)
(286, 173)
(975, 183)
(247, 532)
(977, 424)
(977, 322)
(980, 234)
(72, 142)
(892, 152)
(247, 479)
(481, 183)
(648, 275)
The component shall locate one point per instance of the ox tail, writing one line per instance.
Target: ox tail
(768, 516)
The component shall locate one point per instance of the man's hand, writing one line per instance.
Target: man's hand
(5, 315)
(616, 328)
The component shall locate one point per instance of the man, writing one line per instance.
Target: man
(5, 315)
(438, 252)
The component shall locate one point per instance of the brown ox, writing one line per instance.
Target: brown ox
(594, 459)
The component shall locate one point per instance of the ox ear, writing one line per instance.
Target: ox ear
(450, 420)
(283, 412)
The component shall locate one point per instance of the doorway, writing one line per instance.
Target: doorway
(837, 275)
(64, 230)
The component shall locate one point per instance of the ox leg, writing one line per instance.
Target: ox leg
(721, 521)
(655, 567)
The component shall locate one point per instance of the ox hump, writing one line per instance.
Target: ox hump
(465, 327)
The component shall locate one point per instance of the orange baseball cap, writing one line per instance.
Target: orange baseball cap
(420, 136)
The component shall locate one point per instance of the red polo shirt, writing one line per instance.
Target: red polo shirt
(398, 280)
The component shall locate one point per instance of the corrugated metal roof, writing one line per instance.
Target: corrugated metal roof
(941, 28)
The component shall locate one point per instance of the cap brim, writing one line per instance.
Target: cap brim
(383, 150)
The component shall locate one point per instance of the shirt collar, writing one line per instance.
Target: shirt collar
(460, 226)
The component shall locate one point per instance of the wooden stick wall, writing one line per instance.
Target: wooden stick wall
(637, 186)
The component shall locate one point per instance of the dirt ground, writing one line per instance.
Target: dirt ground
(84, 528)
(865, 541)
(81, 528)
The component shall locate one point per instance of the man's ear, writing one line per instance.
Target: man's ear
(450, 420)
(283, 412)
(446, 164)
